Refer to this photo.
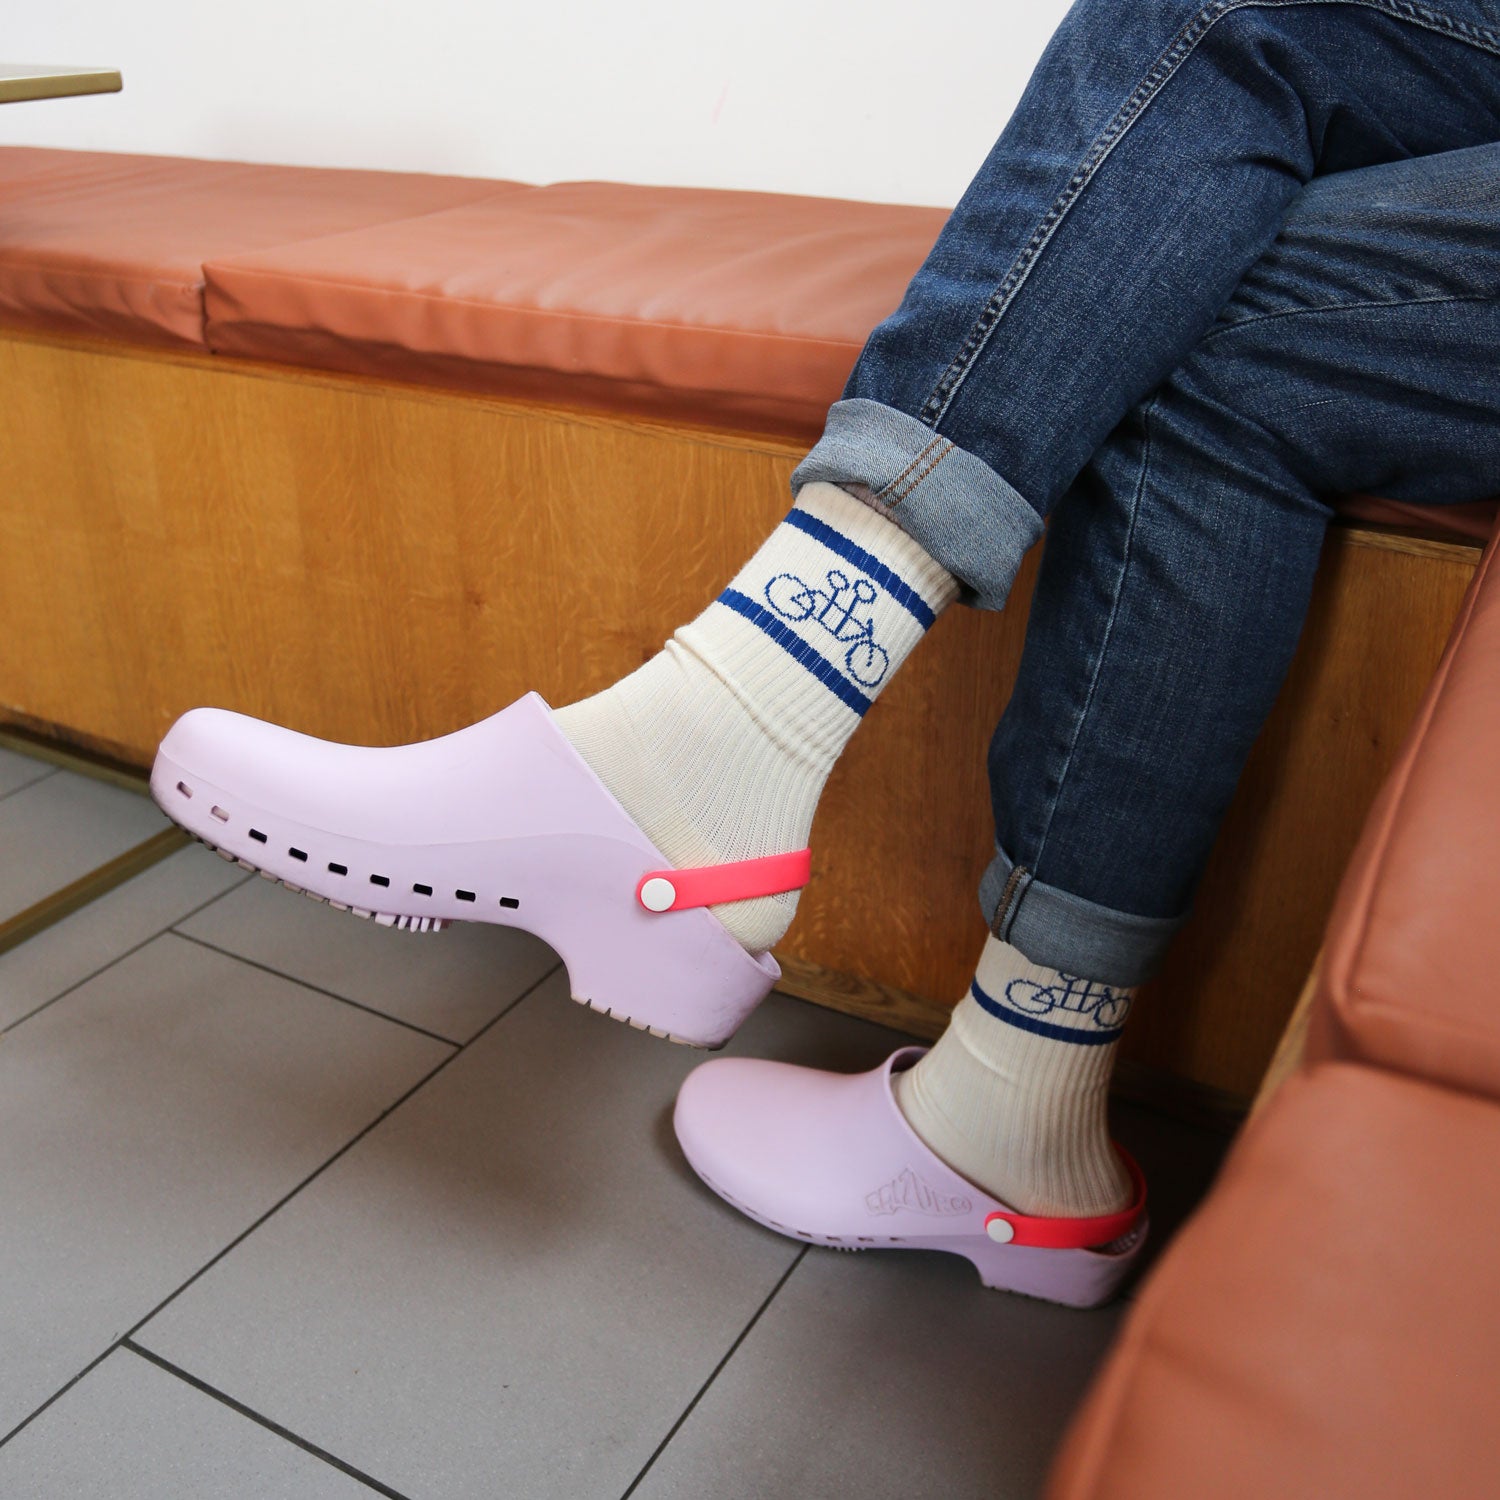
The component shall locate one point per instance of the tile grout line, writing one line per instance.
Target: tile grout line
(286, 1198)
(120, 957)
(245, 1411)
(62, 994)
(714, 1374)
(317, 989)
(125, 775)
(60, 904)
(348, 1145)
(62, 1390)
(27, 785)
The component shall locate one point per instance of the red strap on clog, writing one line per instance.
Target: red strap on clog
(1073, 1234)
(713, 885)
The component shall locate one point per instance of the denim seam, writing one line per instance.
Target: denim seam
(1109, 630)
(1273, 437)
(1157, 77)
(915, 472)
(1010, 901)
(918, 479)
(1334, 307)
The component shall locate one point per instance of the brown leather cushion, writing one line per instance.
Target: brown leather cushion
(1328, 1325)
(1465, 521)
(96, 242)
(1413, 945)
(741, 308)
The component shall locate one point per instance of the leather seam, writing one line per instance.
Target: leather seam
(538, 313)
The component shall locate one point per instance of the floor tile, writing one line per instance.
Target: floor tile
(513, 1285)
(108, 927)
(450, 982)
(17, 771)
(887, 1375)
(131, 1431)
(61, 827)
(150, 1117)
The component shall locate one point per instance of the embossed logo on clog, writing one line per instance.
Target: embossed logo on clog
(910, 1192)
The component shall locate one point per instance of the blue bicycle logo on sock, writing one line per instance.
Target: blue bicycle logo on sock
(834, 610)
(1105, 1007)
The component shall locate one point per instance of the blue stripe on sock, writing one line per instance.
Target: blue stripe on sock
(903, 593)
(1000, 1012)
(795, 646)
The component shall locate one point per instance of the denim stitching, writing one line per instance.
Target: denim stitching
(1379, 304)
(909, 480)
(1249, 417)
(1183, 45)
(1109, 630)
(898, 484)
(913, 480)
(1010, 901)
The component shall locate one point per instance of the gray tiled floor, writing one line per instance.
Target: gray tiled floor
(106, 929)
(873, 1375)
(267, 1233)
(150, 1117)
(17, 771)
(452, 984)
(131, 1431)
(59, 828)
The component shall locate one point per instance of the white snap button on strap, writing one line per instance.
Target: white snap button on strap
(658, 894)
(1002, 1231)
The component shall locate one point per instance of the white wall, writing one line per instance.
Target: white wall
(868, 99)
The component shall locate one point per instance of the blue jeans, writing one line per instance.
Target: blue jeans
(1226, 261)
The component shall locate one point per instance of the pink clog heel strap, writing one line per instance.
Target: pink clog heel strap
(715, 885)
(1045, 1233)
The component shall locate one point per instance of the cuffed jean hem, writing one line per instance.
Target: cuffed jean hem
(1067, 933)
(953, 505)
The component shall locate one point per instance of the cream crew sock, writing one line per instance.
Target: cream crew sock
(719, 746)
(1013, 1095)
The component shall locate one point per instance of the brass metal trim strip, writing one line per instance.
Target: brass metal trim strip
(53, 908)
(34, 747)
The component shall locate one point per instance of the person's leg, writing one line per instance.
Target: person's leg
(1157, 148)
(1357, 354)
(1154, 154)
(1150, 162)
(720, 745)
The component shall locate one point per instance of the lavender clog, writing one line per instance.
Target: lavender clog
(500, 822)
(828, 1158)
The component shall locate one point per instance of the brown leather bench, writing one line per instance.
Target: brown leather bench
(373, 453)
(1328, 1325)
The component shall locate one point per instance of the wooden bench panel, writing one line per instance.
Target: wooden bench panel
(378, 563)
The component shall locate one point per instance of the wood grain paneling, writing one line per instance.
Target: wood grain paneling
(378, 563)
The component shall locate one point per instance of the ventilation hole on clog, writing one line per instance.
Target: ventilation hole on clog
(220, 814)
(422, 890)
(380, 880)
(338, 869)
(509, 901)
(185, 789)
(298, 854)
(464, 895)
(257, 835)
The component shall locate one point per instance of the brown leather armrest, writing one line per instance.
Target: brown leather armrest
(1411, 974)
